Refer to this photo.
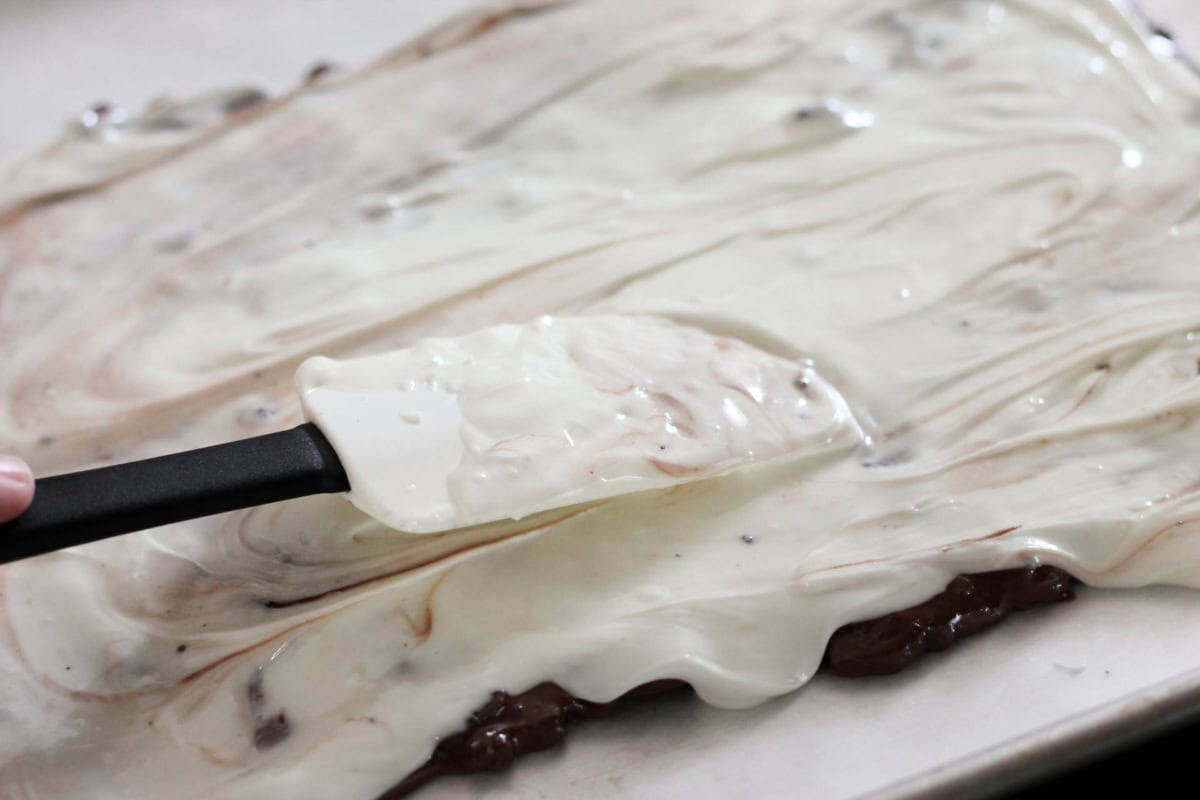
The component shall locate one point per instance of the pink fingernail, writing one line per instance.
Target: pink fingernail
(15, 472)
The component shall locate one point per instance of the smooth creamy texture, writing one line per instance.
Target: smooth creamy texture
(978, 220)
(516, 419)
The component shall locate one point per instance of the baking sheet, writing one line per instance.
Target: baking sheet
(1044, 683)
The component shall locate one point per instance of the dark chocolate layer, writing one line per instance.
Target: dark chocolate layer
(508, 725)
(970, 604)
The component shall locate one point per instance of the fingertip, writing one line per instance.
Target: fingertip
(16, 487)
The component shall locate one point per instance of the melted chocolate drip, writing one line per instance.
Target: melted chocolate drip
(509, 725)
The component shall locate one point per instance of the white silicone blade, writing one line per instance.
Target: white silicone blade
(516, 419)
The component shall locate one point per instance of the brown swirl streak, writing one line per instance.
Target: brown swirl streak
(1104, 369)
(420, 630)
(430, 561)
(1147, 544)
(234, 378)
(945, 548)
(1055, 359)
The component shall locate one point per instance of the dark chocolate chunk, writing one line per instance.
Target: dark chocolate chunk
(970, 604)
(271, 731)
(508, 726)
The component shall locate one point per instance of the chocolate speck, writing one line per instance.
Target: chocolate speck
(272, 731)
(1163, 32)
(245, 100)
(165, 120)
(268, 730)
(181, 648)
(254, 692)
(317, 70)
(1103, 366)
(890, 460)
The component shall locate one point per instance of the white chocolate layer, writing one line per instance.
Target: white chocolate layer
(978, 220)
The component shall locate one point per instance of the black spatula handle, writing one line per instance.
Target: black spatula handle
(82, 507)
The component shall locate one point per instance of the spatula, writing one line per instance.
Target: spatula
(502, 423)
(81, 507)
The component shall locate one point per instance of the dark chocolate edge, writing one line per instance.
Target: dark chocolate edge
(509, 726)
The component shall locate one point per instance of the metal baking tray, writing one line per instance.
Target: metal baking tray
(1048, 689)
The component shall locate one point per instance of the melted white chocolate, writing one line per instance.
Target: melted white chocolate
(978, 220)
(517, 419)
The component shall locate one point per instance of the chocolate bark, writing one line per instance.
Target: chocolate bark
(510, 725)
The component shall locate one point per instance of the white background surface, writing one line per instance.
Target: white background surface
(835, 738)
(57, 57)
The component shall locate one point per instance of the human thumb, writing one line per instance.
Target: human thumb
(16, 487)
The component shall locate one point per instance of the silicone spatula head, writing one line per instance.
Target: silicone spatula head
(516, 419)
